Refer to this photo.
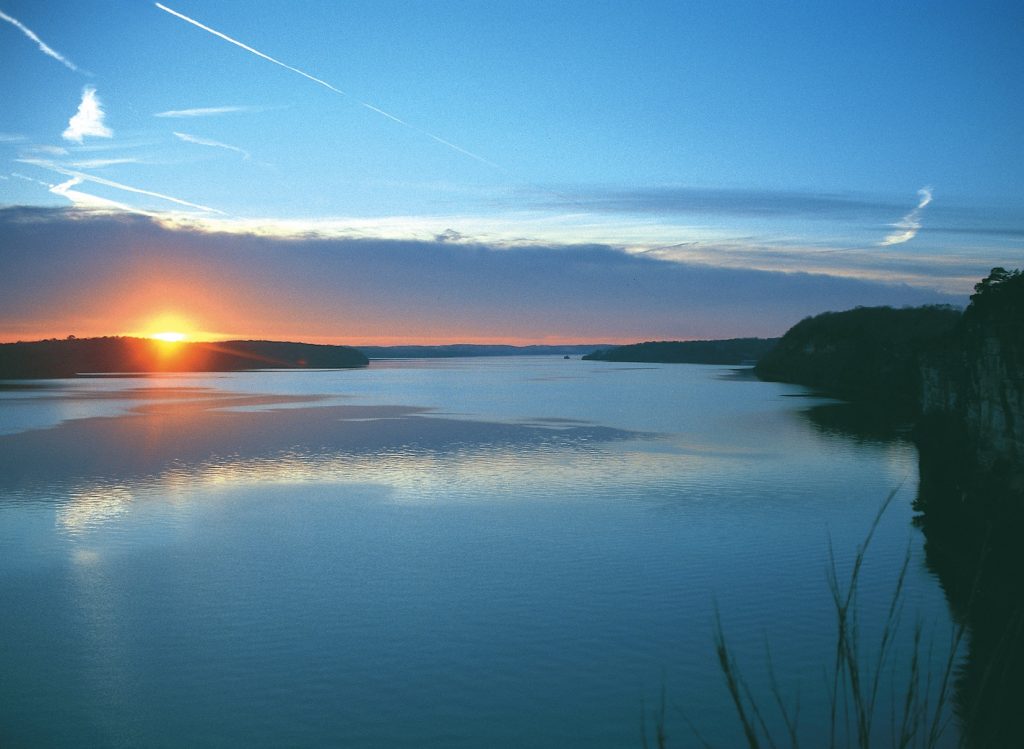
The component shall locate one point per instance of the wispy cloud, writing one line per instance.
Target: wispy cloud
(211, 143)
(683, 200)
(12, 138)
(43, 47)
(100, 163)
(206, 111)
(329, 87)
(88, 120)
(115, 185)
(48, 150)
(908, 226)
(672, 243)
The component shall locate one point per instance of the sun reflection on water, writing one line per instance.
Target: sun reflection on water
(90, 506)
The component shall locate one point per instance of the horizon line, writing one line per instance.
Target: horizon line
(389, 342)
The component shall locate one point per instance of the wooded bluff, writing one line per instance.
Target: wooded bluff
(71, 356)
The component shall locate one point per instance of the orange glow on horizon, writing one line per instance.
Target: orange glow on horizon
(167, 328)
(172, 337)
(154, 299)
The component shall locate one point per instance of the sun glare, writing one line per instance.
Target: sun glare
(169, 336)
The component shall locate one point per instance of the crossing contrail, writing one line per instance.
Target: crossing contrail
(83, 177)
(335, 89)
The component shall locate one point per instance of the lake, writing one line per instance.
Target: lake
(504, 552)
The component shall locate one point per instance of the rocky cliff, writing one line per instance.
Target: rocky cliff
(960, 378)
(970, 437)
(975, 379)
(958, 374)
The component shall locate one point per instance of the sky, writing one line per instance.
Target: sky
(429, 172)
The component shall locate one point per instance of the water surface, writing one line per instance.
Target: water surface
(485, 552)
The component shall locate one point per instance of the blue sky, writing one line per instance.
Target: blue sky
(871, 142)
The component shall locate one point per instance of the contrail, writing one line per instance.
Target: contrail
(206, 111)
(910, 224)
(212, 143)
(328, 86)
(43, 47)
(139, 191)
(84, 198)
(116, 185)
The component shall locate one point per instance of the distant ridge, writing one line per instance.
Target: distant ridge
(727, 351)
(476, 349)
(76, 356)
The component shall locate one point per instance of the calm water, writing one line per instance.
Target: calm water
(466, 553)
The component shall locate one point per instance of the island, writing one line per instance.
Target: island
(70, 357)
(727, 351)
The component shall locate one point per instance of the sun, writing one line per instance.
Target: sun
(169, 336)
(168, 327)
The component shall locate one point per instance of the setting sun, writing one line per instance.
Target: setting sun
(169, 336)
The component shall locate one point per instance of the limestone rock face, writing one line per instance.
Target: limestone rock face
(977, 376)
(993, 399)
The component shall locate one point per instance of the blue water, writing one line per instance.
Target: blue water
(458, 553)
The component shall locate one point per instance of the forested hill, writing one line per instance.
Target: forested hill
(474, 349)
(963, 369)
(74, 356)
(867, 353)
(728, 351)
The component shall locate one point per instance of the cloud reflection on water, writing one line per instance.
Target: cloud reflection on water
(192, 443)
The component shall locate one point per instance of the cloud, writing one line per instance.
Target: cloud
(211, 143)
(936, 267)
(328, 86)
(908, 226)
(88, 120)
(702, 201)
(69, 266)
(48, 150)
(12, 138)
(206, 111)
(449, 235)
(44, 48)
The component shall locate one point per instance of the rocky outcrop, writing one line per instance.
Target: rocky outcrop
(984, 391)
(974, 380)
(960, 376)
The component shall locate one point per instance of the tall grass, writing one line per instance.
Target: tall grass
(919, 717)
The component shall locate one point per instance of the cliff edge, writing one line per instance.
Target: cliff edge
(975, 379)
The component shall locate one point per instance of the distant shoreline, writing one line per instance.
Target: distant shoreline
(112, 356)
(727, 351)
(73, 357)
